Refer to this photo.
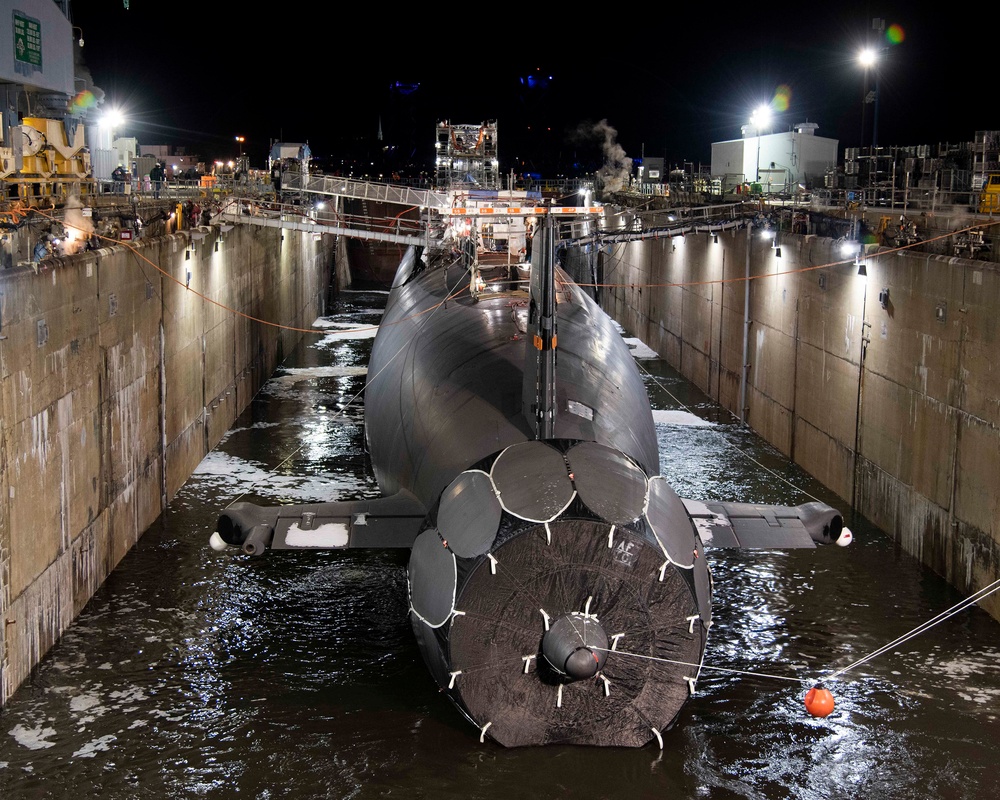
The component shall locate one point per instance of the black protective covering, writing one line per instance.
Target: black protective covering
(609, 482)
(432, 579)
(671, 523)
(502, 623)
(532, 481)
(469, 514)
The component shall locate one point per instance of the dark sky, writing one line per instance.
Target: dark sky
(669, 83)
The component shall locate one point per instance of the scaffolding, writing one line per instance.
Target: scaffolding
(985, 157)
(466, 156)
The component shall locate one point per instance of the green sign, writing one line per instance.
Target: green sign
(27, 40)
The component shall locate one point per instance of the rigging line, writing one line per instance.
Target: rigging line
(342, 410)
(512, 577)
(661, 386)
(701, 666)
(135, 251)
(616, 259)
(771, 471)
(923, 627)
(181, 283)
(727, 442)
(503, 662)
(800, 270)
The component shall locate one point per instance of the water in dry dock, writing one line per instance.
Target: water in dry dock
(195, 674)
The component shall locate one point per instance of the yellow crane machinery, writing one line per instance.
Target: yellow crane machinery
(989, 197)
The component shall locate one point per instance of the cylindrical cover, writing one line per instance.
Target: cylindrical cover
(503, 623)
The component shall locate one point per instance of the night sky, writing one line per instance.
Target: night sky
(668, 83)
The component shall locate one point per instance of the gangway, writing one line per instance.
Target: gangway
(397, 230)
(437, 209)
(333, 186)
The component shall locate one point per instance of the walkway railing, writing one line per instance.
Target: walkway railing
(365, 190)
(397, 230)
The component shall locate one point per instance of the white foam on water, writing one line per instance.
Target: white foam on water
(83, 702)
(91, 748)
(255, 426)
(677, 417)
(639, 349)
(353, 334)
(33, 738)
(329, 322)
(238, 476)
(131, 695)
(294, 375)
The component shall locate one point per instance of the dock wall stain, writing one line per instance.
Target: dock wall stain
(115, 381)
(893, 405)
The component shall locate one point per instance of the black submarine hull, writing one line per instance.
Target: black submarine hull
(523, 533)
(558, 586)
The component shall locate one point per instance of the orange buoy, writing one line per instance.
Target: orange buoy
(819, 701)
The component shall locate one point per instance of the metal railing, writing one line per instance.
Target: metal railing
(364, 190)
(398, 230)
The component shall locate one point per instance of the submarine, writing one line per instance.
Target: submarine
(559, 588)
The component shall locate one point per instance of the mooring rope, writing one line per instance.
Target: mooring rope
(923, 627)
(452, 293)
(674, 397)
(700, 666)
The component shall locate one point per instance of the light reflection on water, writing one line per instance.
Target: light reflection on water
(192, 674)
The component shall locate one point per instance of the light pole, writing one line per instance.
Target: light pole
(878, 25)
(760, 117)
(870, 58)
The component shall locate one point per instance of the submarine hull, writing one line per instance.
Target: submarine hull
(522, 533)
(558, 586)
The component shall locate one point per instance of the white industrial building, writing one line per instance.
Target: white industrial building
(777, 161)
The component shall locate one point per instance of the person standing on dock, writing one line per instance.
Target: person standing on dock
(276, 180)
(156, 176)
(118, 176)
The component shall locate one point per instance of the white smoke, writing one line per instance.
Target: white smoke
(617, 170)
(78, 227)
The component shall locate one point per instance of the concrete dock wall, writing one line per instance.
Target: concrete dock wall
(115, 380)
(894, 405)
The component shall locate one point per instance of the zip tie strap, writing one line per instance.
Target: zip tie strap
(455, 674)
(691, 620)
(493, 563)
(607, 686)
(659, 738)
(545, 617)
(482, 732)
(527, 662)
